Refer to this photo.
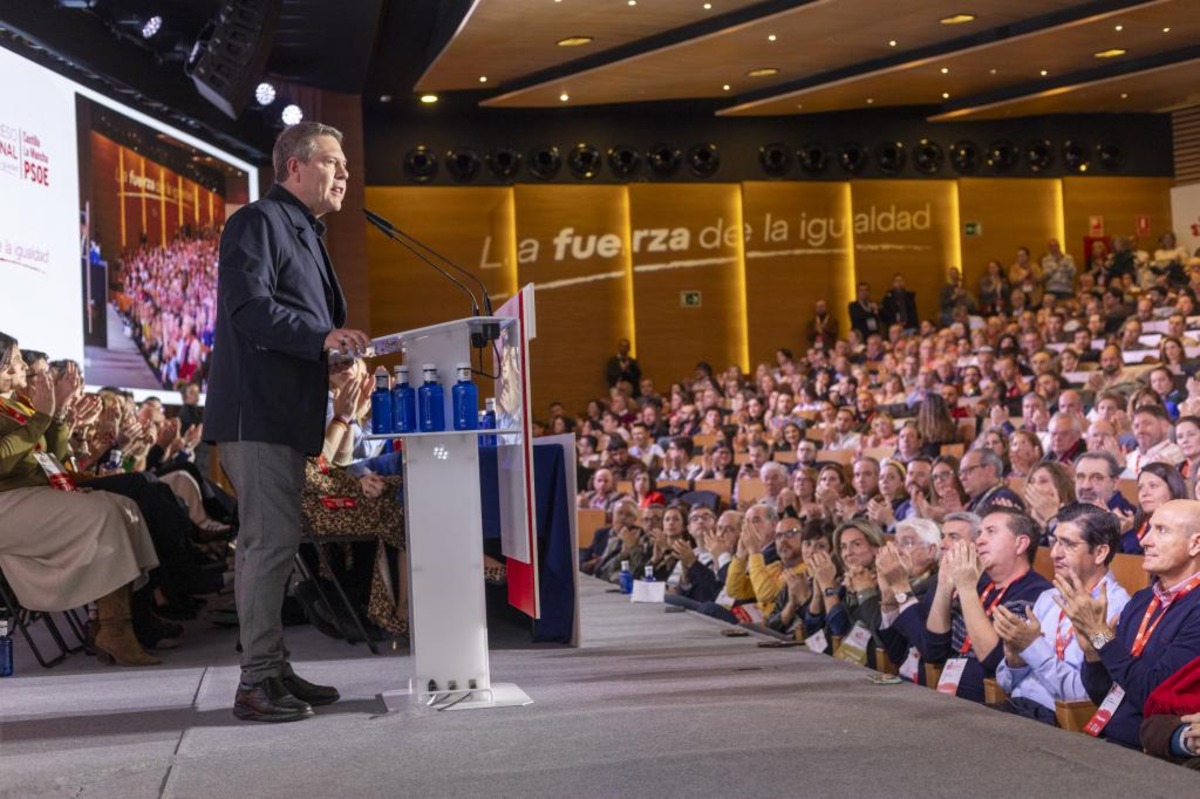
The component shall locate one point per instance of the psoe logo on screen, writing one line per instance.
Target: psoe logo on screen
(22, 156)
(10, 150)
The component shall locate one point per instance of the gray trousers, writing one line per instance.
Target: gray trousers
(269, 479)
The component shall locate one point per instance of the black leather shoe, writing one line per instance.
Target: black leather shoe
(269, 700)
(315, 695)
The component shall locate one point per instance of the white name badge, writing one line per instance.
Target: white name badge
(1104, 713)
(817, 643)
(952, 674)
(854, 645)
(648, 591)
(908, 669)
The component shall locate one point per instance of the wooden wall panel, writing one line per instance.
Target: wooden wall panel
(1011, 213)
(1119, 201)
(800, 251)
(908, 226)
(687, 239)
(572, 241)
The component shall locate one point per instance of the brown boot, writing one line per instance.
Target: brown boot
(115, 640)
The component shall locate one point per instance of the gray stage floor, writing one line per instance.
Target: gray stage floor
(653, 704)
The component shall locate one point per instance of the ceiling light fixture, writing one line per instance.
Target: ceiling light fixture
(152, 26)
(1044, 73)
(574, 41)
(991, 72)
(957, 19)
(1124, 96)
(429, 99)
(891, 43)
(708, 6)
(1167, 29)
(633, 2)
(945, 70)
(291, 114)
(483, 78)
(945, 95)
(725, 88)
(564, 97)
(1119, 28)
(762, 72)
(264, 93)
(1112, 52)
(771, 38)
(870, 100)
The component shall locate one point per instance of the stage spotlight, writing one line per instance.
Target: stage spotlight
(504, 162)
(813, 158)
(624, 160)
(420, 164)
(775, 158)
(1110, 155)
(928, 157)
(890, 157)
(964, 157)
(664, 159)
(152, 26)
(853, 157)
(463, 164)
(1040, 155)
(544, 162)
(1002, 155)
(264, 93)
(584, 161)
(1076, 156)
(704, 159)
(291, 114)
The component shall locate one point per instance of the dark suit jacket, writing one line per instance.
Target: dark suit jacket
(903, 304)
(277, 300)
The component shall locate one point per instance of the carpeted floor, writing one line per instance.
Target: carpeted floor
(653, 704)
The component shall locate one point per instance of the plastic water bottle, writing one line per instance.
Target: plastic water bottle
(404, 403)
(626, 578)
(487, 421)
(466, 399)
(381, 403)
(649, 574)
(6, 650)
(431, 401)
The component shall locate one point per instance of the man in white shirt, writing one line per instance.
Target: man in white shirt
(1042, 659)
(1151, 431)
(842, 436)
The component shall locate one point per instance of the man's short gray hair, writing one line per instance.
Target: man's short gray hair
(926, 529)
(1115, 467)
(772, 466)
(299, 141)
(973, 521)
(988, 457)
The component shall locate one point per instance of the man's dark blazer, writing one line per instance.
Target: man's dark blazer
(277, 300)
(894, 302)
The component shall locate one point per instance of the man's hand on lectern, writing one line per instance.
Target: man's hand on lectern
(347, 341)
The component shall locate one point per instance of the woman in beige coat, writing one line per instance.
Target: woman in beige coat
(63, 549)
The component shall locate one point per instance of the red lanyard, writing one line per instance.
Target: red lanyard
(1154, 614)
(14, 411)
(988, 610)
(1145, 527)
(1063, 640)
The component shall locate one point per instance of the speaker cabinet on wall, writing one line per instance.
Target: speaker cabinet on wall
(232, 61)
(853, 158)
(505, 162)
(813, 158)
(890, 157)
(928, 157)
(1076, 156)
(1002, 155)
(704, 159)
(462, 163)
(964, 157)
(664, 159)
(1110, 155)
(420, 164)
(1040, 155)
(775, 158)
(584, 161)
(624, 160)
(544, 162)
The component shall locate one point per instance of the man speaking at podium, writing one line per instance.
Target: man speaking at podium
(279, 311)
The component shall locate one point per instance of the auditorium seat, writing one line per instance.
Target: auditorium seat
(587, 522)
(879, 453)
(1128, 489)
(1128, 571)
(750, 490)
(722, 488)
(1074, 716)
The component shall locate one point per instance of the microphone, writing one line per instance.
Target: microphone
(410, 242)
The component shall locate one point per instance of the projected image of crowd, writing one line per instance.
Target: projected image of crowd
(999, 503)
(165, 299)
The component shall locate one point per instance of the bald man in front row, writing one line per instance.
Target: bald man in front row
(1159, 630)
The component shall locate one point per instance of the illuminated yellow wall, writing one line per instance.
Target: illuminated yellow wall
(687, 239)
(801, 250)
(1018, 212)
(611, 261)
(908, 226)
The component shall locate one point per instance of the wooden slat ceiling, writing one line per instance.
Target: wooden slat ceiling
(507, 39)
(1000, 65)
(831, 55)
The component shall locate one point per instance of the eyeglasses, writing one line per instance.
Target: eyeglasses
(965, 470)
(779, 534)
(942, 476)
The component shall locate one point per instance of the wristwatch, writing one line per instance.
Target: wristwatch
(831, 591)
(1100, 639)
(901, 597)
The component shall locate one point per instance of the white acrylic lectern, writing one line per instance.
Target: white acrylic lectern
(443, 514)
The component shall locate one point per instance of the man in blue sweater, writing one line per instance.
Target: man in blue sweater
(958, 613)
(1158, 632)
